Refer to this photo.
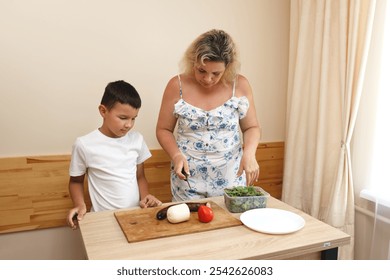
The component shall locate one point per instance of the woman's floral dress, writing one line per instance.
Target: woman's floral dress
(211, 141)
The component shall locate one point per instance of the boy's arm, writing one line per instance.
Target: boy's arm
(76, 190)
(146, 199)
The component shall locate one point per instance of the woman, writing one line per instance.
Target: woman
(210, 102)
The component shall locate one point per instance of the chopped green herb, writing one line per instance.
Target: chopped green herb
(240, 198)
(243, 191)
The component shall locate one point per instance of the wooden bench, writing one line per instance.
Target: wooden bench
(34, 189)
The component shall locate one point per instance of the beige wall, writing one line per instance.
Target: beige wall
(56, 57)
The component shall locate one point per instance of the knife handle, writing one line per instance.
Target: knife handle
(184, 173)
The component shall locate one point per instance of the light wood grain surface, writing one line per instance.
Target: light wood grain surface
(104, 239)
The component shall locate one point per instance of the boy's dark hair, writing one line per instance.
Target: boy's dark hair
(121, 92)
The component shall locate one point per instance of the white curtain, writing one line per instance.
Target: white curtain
(329, 42)
(370, 143)
(380, 244)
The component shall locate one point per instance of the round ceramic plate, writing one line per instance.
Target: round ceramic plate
(272, 220)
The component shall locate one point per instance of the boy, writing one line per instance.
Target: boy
(112, 157)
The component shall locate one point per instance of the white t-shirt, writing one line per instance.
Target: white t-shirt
(111, 166)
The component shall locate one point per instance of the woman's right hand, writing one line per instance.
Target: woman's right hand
(179, 164)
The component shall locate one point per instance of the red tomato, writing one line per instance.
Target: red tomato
(205, 214)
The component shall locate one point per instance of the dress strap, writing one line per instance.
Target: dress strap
(181, 92)
(234, 87)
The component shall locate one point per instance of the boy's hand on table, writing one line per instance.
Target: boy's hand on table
(149, 201)
(75, 215)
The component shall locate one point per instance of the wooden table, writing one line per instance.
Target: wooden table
(104, 239)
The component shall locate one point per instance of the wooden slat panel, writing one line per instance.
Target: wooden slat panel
(14, 202)
(34, 192)
(270, 157)
(162, 190)
(34, 189)
(14, 217)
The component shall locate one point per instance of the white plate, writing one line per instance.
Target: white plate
(272, 220)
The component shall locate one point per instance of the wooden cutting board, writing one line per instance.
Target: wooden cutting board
(141, 224)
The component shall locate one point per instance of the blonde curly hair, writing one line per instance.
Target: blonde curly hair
(214, 45)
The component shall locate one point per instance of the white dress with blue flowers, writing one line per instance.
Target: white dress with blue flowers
(211, 141)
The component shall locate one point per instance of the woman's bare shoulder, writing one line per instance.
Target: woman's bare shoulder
(173, 86)
(242, 80)
(180, 81)
(243, 87)
(173, 81)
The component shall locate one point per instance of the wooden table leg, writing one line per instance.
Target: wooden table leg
(330, 254)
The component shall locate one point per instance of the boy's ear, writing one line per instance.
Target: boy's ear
(102, 110)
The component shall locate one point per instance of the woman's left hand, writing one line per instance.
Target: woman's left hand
(252, 169)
